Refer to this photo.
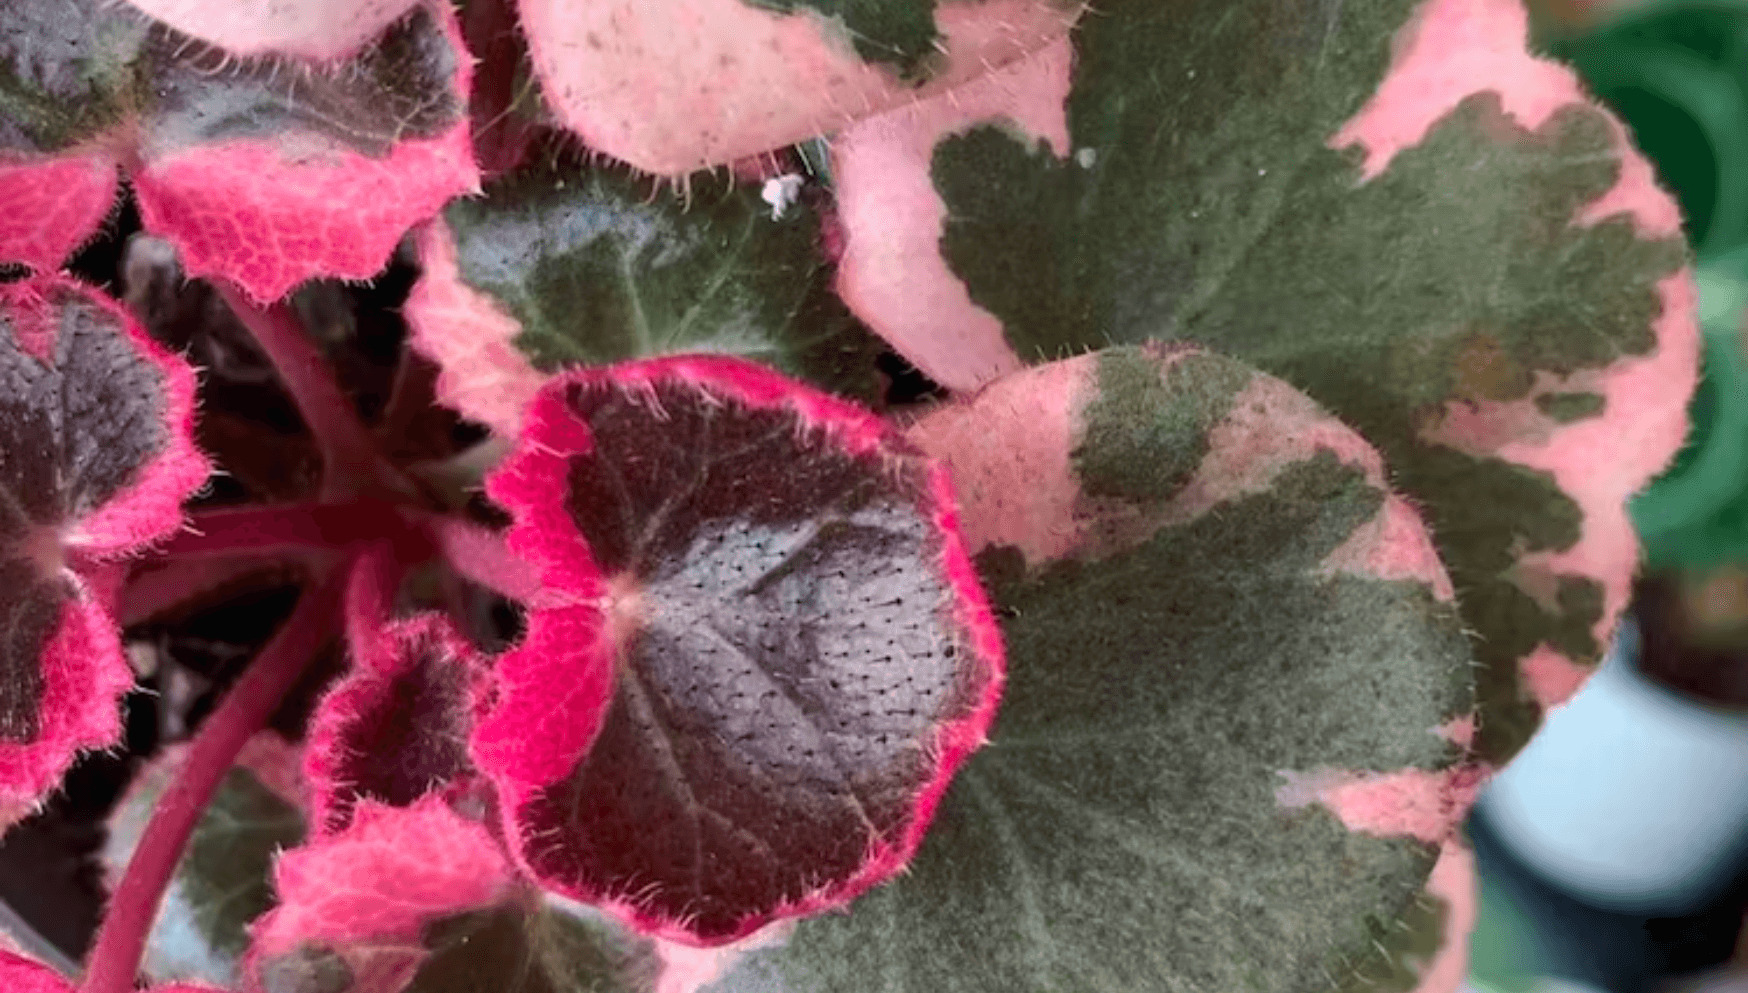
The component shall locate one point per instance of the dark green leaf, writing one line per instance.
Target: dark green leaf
(898, 32)
(547, 950)
(598, 266)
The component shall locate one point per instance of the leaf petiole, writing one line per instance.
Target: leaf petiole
(352, 463)
(115, 957)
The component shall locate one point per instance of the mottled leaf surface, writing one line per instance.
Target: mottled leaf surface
(1211, 606)
(756, 76)
(221, 882)
(594, 265)
(95, 460)
(900, 33)
(767, 677)
(268, 170)
(1395, 208)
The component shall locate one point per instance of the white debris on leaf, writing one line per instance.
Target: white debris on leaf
(781, 192)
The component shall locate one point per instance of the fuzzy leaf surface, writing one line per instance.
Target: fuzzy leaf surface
(96, 458)
(755, 77)
(352, 905)
(22, 975)
(221, 882)
(594, 265)
(764, 680)
(267, 170)
(395, 728)
(314, 29)
(1391, 205)
(418, 899)
(1217, 763)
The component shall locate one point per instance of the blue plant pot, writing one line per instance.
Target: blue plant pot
(1632, 798)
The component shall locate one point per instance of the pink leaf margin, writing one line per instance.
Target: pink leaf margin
(481, 374)
(532, 737)
(22, 975)
(19, 974)
(1011, 446)
(338, 214)
(893, 274)
(84, 677)
(84, 670)
(48, 208)
(756, 80)
(1426, 806)
(388, 874)
(314, 29)
(150, 508)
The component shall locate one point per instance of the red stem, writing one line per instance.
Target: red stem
(351, 462)
(285, 529)
(115, 958)
(162, 586)
(500, 137)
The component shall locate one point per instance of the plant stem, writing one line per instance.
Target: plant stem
(284, 529)
(351, 462)
(163, 586)
(115, 958)
(500, 138)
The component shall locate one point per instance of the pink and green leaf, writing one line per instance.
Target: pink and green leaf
(764, 680)
(1217, 618)
(420, 900)
(756, 76)
(96, 458)
(267, 170)
(352, 905)
(1390, 204)
(564, 265)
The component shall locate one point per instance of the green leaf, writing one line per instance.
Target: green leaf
(548, 949)
(1181, 664)
(898, 32)
(221, 883)
(65, 72)
(1203, 200)
(398, 88)
(598, 266)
